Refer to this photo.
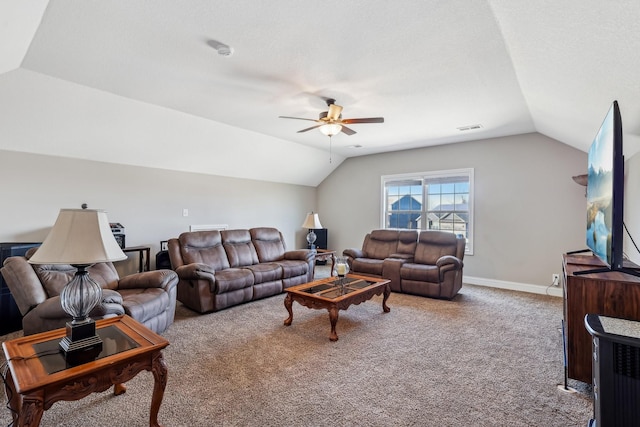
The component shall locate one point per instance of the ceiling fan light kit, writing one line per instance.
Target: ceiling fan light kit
(330, 129)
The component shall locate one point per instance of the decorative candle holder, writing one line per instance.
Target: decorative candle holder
(341, 269)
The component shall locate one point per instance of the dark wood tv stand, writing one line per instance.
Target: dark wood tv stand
(612, 294)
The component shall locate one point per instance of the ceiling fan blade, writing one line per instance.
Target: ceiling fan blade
(364, 120)
(297, 118)
(334, 112)
(347, 130)
(312, 127)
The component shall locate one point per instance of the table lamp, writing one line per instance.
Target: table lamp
(311, 221)
(81, 238)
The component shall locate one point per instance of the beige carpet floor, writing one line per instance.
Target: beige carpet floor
(490, 357)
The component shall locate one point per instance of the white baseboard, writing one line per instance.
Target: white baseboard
(555, 291)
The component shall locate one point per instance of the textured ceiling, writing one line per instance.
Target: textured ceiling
(140, 82)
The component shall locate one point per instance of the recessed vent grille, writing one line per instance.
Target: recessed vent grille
(470, 127)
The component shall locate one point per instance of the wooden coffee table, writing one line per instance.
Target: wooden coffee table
(38, 375)
(331, 295)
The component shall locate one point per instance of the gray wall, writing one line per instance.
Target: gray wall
(528, 210)
(632, 207)
(148, 202)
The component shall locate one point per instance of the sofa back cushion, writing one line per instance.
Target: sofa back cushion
(269, 243)
(380, 244)
(239, 248)
(203, 247)
(407, 241)
(433, 244)
(54, 277)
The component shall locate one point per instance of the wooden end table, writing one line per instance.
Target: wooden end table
(38, 375)
(325, 255)
(334, 294)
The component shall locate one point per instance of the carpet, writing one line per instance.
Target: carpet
(490, 357)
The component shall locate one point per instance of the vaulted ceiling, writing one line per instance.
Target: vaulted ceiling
(142, 82)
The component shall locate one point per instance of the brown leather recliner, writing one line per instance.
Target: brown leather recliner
(427, 264)
(436, 270)
(220, 269)
(382, 253)
(148, 297)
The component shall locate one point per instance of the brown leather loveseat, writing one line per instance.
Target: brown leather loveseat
(428, 263)
(219, 269)
(148, 297)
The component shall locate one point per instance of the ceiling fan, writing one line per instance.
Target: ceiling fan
(331, 122)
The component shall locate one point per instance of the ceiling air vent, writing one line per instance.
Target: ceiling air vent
(470, 127)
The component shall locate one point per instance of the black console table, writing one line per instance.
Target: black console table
(616, 370)
(144, 253)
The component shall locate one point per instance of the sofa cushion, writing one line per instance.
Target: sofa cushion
(269, 243)
(293, 268)
(203, 247)
(368, 266)
(239, 248)
(231, 279)
(419, 272)
(265, 272)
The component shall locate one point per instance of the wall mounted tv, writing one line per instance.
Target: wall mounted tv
(605, 195)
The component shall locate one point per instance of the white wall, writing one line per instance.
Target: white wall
(148, 202)
(528, 210)
(632, 207)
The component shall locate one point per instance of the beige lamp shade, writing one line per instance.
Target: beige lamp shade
(312, 221)
(79, 236)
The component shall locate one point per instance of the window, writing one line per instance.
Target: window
(440, 200)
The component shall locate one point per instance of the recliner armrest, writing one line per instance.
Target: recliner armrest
(196, 271)
(164, 279)
(353, 253)
(449, 260)
(301, 254)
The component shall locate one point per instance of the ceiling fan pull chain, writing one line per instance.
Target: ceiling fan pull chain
(329, 148)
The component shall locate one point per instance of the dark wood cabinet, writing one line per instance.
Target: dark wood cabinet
(611, 294)
(10, 316)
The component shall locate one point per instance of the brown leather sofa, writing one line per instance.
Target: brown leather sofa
(220, 269)
(148, 297)
(428, 263)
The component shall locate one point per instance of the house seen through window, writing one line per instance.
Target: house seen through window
(440, 200)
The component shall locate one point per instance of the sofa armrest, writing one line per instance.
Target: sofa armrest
(24, 283)
(165, 279)
(196, 271)
(449, 260)
(301, 254)
(353, 253)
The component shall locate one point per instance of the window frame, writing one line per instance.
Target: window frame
(430, 175)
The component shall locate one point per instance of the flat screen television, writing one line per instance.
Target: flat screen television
(605, 195)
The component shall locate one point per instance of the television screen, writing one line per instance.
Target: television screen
(605, 191)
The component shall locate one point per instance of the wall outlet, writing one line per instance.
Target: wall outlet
(185, 212)
(555, 279)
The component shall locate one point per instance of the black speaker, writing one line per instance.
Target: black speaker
(321, 238)
(10, 316)
(162, 261)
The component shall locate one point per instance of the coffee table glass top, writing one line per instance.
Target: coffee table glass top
(336, 287)
(113, 341)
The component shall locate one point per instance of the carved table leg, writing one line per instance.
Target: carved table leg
(31, 411)
(159, 370)
(333, 318)
(14, 401)
(288, 303)
(387, 292)
(119, 389)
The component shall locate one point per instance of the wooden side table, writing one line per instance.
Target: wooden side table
(39, 376)
(325, 255)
